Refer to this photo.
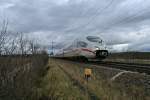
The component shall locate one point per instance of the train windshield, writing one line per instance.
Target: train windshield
(82, 44)
(94, 39)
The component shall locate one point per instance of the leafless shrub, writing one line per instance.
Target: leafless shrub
(20, 70)
(3, 34)
(34, 47)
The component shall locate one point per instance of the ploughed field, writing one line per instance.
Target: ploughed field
(66, 80)
(130, 57)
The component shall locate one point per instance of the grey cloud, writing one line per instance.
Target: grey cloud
(116, 21)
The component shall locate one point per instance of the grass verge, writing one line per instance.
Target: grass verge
(56, 85)
(103, 88)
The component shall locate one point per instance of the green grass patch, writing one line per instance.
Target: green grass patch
(56, 85)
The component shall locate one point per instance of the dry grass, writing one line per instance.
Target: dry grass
(56, 85)
(101, 87)
(19, 76)
(38, 82)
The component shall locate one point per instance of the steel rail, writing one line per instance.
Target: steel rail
(141, 68)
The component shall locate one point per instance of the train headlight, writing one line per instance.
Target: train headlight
(97, 48)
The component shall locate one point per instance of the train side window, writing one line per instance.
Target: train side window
(82, 44)
(94, 39)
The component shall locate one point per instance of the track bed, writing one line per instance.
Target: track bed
(106, 83)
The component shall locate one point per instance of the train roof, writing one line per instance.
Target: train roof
(94, 39)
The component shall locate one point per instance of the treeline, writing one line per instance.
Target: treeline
(17, 43)
(130, 55)
(23, 62)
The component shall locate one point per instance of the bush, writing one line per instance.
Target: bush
(20, 76)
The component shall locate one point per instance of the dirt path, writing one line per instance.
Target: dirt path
(56, 85)
(65, 81)
(82, 87)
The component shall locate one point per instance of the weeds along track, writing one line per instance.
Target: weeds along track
(141, 68)
(106, 82)
(81, 86)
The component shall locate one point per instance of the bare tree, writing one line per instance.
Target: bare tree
(33, 47)
(23, 44)
(10, 48)
(3, 34)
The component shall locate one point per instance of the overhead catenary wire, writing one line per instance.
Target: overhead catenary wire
(127, 19)
(97, 13)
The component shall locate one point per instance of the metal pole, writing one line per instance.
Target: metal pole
(52, 47)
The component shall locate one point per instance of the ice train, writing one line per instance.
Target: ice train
(88, 48)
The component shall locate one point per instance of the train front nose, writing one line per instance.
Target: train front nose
(101, 53)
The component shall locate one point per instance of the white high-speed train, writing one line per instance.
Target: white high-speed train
(88, 48)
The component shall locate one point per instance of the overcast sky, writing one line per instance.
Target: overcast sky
(122, 24)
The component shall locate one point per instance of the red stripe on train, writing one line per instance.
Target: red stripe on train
(88, 50)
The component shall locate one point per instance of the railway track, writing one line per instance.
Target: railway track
(141, 68)
(113, 70)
